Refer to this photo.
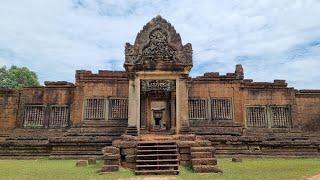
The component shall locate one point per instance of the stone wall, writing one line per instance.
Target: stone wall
(244, 93)
(9, 100)
(219, 89)
(305, 104)
(53, 93)
(308, 110)
(103, 84)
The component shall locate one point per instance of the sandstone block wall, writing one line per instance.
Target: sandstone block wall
(102, 84)
(305, 104)
(220, 89)
(9, 100)
(308, 109)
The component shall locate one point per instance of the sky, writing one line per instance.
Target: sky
(272, 39)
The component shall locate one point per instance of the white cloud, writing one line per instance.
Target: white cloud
(272, 39)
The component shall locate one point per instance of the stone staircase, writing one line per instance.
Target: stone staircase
(132, 130)
(85, 141)
(266, 142)
(202, 157)
(157, 157)
(28, 143)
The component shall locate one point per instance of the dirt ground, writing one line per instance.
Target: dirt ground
(316, 177)
(153, 178)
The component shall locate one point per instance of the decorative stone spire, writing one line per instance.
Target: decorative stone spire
(158, 47)
(239, 71)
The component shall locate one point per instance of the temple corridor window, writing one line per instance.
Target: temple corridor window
(34, 116)
(280, 116)
(197, 109)
(59, 116)
(256, 116)
(118, 108)
(221, 109)
(94, 108)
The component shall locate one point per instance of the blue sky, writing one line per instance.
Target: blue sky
(277, 39)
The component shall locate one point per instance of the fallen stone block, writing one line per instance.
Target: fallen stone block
(117, 143)
(111, 156)
(236, 159)
(202, 149)
(130, 158)
(109, 168)
(81, 163)
(126, 137)
(110, 150)
(92, 161)
(185, 157)
(201, 154)
(206, 161)
(128, 144)
(128, 165)
(182, 144)
(184, 163)
(206, 169)
(128, 151)
(111, 161)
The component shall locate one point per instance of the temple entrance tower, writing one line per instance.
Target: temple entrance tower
(158, 66)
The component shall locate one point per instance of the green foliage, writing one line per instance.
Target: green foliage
(17, 77)
(261, 168)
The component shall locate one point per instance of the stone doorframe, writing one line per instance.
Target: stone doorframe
(181, 97)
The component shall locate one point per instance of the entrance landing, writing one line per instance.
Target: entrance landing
(157, 137)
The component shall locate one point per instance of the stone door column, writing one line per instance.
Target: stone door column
(182, 120)
(134, 103)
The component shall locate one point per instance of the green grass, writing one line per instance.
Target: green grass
(268, 168)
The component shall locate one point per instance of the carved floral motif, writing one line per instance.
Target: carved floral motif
(158, 46)
(157, 85)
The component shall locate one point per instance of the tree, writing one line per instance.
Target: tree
(17, 77)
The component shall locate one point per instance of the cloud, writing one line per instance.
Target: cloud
(272, 39)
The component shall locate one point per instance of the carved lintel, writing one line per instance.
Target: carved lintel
(158, 85)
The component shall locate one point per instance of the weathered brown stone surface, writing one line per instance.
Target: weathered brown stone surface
(158, 52)
(236, 159)
(110, 150)
(109, 168)
(111, 156)
(81, 163)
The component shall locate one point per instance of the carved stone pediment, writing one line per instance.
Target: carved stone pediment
(158, 47)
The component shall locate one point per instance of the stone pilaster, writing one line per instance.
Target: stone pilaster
(134, 103)
(182, 106)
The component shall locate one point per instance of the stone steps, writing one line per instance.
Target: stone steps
(157, 157)
(267, 142)
(132, 130)
(25, 143)
(202, 157)
(85, 140)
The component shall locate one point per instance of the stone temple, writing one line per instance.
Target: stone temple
(155, 104)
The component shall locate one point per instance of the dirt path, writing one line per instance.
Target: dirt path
(316, 177)
(152, 178)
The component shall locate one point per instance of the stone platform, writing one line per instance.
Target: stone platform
(87, 140)
(163, 153)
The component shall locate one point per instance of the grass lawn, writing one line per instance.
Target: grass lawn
(268, 168)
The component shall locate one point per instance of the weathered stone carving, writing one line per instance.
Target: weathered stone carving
(157, 85)
(158, 46)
